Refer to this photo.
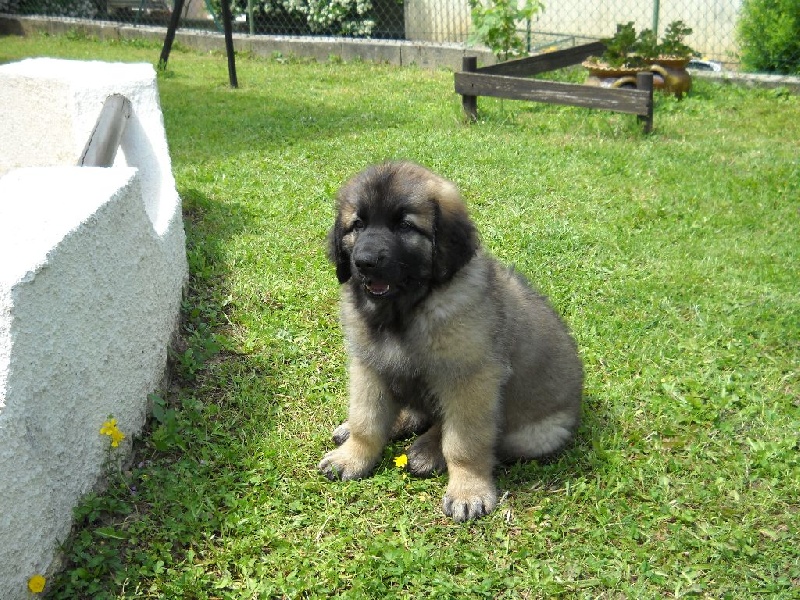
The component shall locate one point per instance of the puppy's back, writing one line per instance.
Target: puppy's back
(543, 395)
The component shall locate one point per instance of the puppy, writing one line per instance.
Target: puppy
(443, 341)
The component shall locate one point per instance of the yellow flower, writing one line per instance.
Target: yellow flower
(36, 583)
(116, 437)
(401, 461)
(110, 429)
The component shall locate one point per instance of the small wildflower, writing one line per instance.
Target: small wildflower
(401, 461)
(36, 584)
(110, 429)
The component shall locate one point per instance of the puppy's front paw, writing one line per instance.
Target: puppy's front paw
(344, 464)
(467, 502)
(341, 433)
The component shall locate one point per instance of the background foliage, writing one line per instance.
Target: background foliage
(502, 25)
(331, 17)
(769, 32)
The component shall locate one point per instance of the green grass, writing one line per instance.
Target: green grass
(674, 257)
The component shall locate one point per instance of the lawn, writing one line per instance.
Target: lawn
(674, 257)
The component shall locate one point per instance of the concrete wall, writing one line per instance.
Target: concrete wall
(437, 20)
(92, 271)
(394, 52)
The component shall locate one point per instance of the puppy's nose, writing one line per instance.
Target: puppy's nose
(368, 260)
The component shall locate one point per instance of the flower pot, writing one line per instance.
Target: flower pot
(602, 75)
(671, 76)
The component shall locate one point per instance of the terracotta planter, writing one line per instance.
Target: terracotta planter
(671, 76)
(601, 75)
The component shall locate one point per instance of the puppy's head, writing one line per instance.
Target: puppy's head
(399, 230)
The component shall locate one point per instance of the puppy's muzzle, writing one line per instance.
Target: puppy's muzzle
(370, 260)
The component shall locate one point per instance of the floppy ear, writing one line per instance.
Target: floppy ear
(455, 237)
(337, 254)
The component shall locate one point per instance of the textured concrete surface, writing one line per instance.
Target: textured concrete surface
(92, 271)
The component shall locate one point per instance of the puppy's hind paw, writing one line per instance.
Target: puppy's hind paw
(425, 458)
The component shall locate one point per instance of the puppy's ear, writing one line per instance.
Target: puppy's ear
(337, 254)
(455, 236)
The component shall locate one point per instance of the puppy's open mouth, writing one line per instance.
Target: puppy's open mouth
(377, 288)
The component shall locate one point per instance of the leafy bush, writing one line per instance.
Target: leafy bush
(327, 17)
(348, 16)
(672, 43)
(647, 45)
(769, 34)
(9, 6)
(81, 9)
(496, 23)
(627, 50)
(620, 47)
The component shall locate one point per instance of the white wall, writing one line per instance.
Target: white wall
(437, 20)
(92, 270)
(713, 21)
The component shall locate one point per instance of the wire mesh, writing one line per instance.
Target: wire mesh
(562, 22)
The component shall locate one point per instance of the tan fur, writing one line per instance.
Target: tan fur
(496, 371)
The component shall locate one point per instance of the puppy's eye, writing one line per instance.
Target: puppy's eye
(405, 225)
(357, 225)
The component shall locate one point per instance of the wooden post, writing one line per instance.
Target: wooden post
(469, 64)
(226, 25)
(644, 82)
(174, 18)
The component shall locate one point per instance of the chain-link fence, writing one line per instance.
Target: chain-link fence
(715, 23)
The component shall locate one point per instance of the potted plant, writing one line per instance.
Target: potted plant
(618, 65)
(669, 66)
(647, 46)
(627, 53)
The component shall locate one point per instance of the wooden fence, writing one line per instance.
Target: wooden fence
(511, 80)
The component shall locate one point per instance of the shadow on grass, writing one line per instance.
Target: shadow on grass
(191, 462)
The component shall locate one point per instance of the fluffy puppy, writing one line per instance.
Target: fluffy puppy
(443, 341)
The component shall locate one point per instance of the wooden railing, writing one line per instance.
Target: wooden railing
(511, 80)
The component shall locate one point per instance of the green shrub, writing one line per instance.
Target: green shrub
(303, 17)
(495, 24)
(769, 36)
(672, 43)
(79, 9)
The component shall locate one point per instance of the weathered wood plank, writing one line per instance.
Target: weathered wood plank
(549, 61)
(630, 101)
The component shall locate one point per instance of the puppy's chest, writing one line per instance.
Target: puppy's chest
(397, 353)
